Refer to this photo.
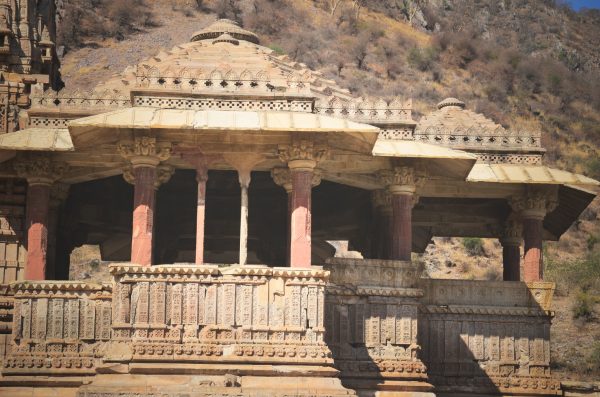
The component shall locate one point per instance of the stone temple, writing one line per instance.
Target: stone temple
(213, 177)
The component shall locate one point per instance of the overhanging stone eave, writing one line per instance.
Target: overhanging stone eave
(147, 118)
(440, 161)
(225, 94)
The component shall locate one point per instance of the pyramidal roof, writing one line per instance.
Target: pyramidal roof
(227, 55)
(452, 117)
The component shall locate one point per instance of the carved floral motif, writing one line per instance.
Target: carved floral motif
(40, 169)
(145, 150)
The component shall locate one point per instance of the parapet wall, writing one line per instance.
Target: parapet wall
(354, 327)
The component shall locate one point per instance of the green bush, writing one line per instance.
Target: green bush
(474, 246)
(422, 58)
(583, 307)
(593, 359)
(568, 276)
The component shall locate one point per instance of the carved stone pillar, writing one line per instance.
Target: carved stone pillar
(301, 157)
(511, 250)
(144, 154)
(382, 201)
(40, 173)
(532, 208)
(402, 183)
(243, 163)
(283, 177)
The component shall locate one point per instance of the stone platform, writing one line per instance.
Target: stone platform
(354, 327)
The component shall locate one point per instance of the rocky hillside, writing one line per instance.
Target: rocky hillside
(527, 64)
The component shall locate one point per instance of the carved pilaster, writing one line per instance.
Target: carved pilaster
(381, 200)
(40, 169)
(302, 154)
(144, 151)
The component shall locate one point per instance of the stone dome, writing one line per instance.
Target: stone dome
(451, 102)
(223, 26)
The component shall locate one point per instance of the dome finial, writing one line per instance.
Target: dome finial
(451, 102)
(223, 26)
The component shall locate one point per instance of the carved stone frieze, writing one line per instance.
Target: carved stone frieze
(377, 273)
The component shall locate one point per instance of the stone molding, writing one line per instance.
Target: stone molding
(373, 274)
(39, 169)
(302, 155)
(163, 175)
(144, 151)
(535, 203)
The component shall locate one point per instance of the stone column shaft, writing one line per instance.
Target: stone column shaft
(402, 226)
(511, 260)
(143, 215)
(200, 218)
(533, 264)
(38, 204)
(387, 235)
(244, 225)
(300, 238)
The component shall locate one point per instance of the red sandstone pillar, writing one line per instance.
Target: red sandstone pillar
(38, 204)
(532, 207)
(201, 178)
(282, 177)
(300, 239)
(402, 226)
(143, 215)
(533, 263)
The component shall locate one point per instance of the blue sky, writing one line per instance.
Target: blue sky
(577, 4)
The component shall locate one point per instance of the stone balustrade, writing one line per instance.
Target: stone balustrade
(58, 327)
(488, 337)
(370, 325)
(241, 314)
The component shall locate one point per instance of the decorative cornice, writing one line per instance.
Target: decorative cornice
(302, 155)
(144, 151)
(59, 286)
(535, 203)
(39, 169)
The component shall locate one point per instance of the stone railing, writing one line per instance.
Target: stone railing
(372, 325)
(241, 314)
(81, 101)
(223, 81)
(487, 337)
(482, 139)
(58, 327)
(375, 110)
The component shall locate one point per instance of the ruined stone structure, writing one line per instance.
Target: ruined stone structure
(212, 177)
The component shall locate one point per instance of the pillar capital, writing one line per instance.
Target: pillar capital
(39, 169)
(534, 203)
(402, 180)
(282, 177)
(144, 151)
(303, 154)
(382, 200)
(512, 233)
(162, 175)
